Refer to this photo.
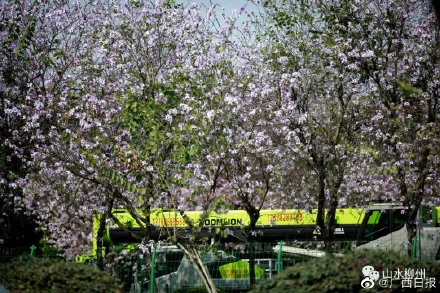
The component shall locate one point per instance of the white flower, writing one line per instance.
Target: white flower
(302, 118)
(230, 100)
(210, 114)
(283, 60)
(168, 118)
(343, 57)
(367, 54)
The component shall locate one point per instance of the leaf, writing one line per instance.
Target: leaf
(24, 36)
(409, 89)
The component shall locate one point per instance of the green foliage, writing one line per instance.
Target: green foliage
(408, 89)
(31, 274)
(344, 274)
(47, 251)
(114, 177)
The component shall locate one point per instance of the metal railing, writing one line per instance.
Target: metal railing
(8, 253)
(164, 269)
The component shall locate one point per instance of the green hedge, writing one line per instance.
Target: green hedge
(344, 274)
(32, 274)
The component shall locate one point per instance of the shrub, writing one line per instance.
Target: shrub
(344, 274)
(31, 274)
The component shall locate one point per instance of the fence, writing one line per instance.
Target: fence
(164, 269)
(8, 253)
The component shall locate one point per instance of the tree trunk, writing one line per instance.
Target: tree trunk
(331, 221)
(254, 215)
(320, 217)
(194, 258)
(334, 202)
(251, 250)
(414, 200)
(100, 234)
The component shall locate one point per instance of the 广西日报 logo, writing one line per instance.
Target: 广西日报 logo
(370, 275)
(407, 277)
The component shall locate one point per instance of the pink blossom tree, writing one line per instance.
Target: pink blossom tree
(394, 47)
(39, 47)
(316, 94)
(128, 113)
(359, 82)
(144, 105)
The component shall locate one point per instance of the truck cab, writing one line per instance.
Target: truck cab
(384, 227)
(381, 220)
